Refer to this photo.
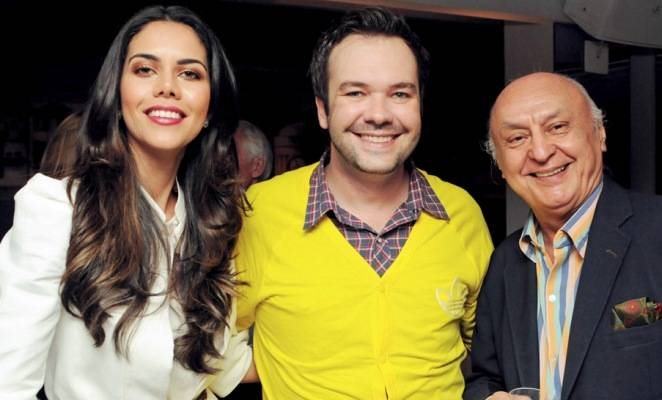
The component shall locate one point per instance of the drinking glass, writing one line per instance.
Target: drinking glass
(525, 393)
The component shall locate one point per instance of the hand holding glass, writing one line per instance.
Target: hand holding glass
(525, 393)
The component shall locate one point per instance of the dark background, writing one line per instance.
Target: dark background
(52, 53)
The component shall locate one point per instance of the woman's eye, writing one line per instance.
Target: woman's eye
(401, 95)
(191, 75)
(143, 70)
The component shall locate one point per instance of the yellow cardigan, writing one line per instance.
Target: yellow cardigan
(328, 327)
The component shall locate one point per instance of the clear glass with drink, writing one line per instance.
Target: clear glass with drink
(525, 393)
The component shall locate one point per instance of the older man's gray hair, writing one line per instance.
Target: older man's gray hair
(257, 145)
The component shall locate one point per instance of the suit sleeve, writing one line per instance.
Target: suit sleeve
(486, 377)
(32, 261)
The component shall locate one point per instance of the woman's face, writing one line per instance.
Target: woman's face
(165, 89)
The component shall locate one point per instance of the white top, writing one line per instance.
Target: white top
(41, 344)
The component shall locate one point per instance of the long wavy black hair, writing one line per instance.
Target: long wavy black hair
(117, 240)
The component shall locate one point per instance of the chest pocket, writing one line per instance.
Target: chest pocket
(451, 299)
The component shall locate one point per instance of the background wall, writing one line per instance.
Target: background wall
(50, 65)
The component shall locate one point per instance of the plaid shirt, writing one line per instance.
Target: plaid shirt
(379, 249)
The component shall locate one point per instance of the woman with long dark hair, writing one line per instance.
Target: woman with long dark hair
(116, 279)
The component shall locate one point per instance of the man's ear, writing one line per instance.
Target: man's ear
(321, 113)
(603, 138)
(257, 167)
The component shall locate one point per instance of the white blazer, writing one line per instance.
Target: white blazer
(41, 344)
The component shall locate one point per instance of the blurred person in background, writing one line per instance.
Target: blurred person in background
(254, 155)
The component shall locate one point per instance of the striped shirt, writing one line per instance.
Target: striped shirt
(557, 287)
(379, 249)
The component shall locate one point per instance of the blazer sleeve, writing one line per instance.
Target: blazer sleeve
(237, 357)
(32, 261)
(486, 377)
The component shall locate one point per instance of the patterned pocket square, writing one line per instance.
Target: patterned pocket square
(636, 312)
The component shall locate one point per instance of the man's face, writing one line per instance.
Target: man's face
(374, 116)
(547, 145)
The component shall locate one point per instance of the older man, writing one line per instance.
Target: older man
(254, 155)
(362, 270)
(570, 302)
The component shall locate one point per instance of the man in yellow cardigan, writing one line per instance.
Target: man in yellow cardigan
(362, 271)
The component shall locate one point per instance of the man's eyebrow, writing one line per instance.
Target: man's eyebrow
(405, 85)
(184, 61)
(551, 115)
(513, 125)
(347, 84)
(543, 119)
(399, 85)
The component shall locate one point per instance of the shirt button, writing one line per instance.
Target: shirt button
(552, 298)
(380, 240)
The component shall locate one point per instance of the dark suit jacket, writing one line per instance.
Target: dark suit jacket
(623, 261)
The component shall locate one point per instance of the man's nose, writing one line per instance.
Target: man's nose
(378, 111)
(542, 148)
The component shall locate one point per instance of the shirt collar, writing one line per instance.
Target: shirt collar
(177, 220)
(420, 196)
(423, 197)
(320, 200)
(573, 232)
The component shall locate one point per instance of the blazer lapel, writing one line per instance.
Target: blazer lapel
(607, 245)
(520, 299)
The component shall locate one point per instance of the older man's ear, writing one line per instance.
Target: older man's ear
(258, 164)
(603, 139)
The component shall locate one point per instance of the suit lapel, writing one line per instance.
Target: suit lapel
(520, 296)
(606, 248)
